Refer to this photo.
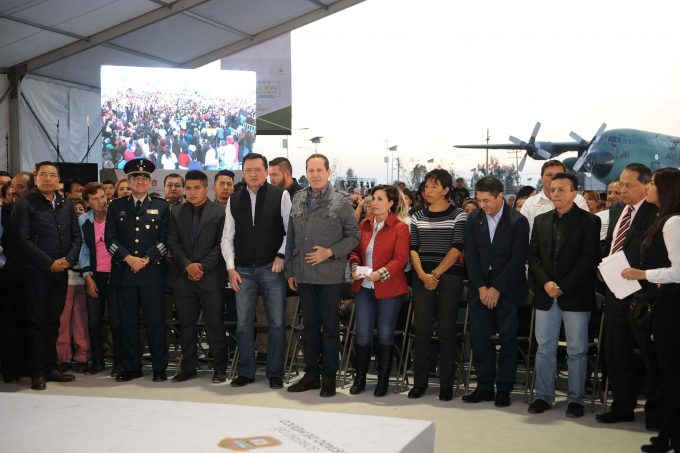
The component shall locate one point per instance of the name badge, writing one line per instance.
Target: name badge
(152, 211)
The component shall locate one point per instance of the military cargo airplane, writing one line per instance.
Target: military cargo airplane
(605, 155)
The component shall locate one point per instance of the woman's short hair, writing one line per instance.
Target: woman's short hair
(441, 176)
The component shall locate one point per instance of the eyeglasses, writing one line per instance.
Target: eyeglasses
(43, 174)
(139, 178)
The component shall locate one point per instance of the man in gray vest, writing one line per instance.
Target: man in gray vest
(253, 246)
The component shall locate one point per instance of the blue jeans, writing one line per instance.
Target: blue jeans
(547, 335)
(368, 310)
(272, 286)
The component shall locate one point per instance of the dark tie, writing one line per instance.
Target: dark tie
(138, 205)
(624, 226)
(194, 224)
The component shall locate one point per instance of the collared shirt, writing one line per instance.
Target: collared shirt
(369, 253)
(314, 199)
(671, 238)
(558, 232)
(493, 222)
(540, 203)
(135, 199)
(636, 208)
(230, 226)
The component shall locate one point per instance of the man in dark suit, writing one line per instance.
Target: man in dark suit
(136, 235)
(496, 250)
(628, 223)
(198, 275)
(562, 266)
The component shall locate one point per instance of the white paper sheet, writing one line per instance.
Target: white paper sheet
(611, 268)
(364, 271)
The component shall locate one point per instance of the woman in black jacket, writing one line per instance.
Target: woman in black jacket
(661, 272)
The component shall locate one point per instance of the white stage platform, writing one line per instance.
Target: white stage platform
(37, 423)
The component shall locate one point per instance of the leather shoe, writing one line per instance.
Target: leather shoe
(574, 410)
(614, 417)
(126, 376)
(219, 376)
(416, 392)
(116, 371)
(241, 381)
(538, 406)
(446, 394)
(38, 383)
(308, 382)
(502, 399)
(327, 386)
(275, 383)
(159, 376)
(184, 375)
(58, 376)
(478, 396)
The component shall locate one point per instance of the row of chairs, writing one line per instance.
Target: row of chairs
(404, 337)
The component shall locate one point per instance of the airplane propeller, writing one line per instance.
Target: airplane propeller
(531, 147)
(585, 146)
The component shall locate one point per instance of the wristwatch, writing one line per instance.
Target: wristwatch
(280, 255)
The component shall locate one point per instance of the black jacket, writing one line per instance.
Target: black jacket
(204, 248)
(44, 235)
(632, 245)
(12, 268)
(573, 264)
(499, 264)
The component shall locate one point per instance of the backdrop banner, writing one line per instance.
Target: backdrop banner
(271, 61)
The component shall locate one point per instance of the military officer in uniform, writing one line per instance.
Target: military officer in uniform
(136, 230)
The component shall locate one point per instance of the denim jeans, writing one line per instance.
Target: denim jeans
(272, 286)
(547, 335)
(368, 310)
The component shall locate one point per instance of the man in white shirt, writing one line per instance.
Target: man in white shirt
(540, 203)
(253, 246)
(613, 196)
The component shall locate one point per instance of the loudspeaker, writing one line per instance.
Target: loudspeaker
(71, 170)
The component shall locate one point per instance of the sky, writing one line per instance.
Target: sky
(430, 74)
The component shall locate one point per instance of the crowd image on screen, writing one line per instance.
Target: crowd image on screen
(187, 131)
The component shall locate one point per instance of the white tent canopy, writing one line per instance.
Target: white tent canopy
(53, 49)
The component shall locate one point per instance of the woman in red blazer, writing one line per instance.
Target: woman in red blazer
(384, 249)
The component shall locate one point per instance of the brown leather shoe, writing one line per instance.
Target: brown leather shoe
(58, 376)
(38, 383)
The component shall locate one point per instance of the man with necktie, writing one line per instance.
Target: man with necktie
(136, 231)
(628, 223)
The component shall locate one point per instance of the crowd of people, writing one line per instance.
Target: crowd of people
(187, 131)
(272, 241)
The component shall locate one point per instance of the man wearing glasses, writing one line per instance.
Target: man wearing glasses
(173, 189)
(136, 230)
(49, 241)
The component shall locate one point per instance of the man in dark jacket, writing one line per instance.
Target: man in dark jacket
(49, 240)
(562, 266)
(496, 250)
(197, 275)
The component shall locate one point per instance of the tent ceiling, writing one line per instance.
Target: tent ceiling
(70, 39)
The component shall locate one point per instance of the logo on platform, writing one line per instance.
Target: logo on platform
(248, 443)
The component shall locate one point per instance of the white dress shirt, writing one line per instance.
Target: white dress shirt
(230, 227)
(369, 253)
(636, 208)
(671, 237)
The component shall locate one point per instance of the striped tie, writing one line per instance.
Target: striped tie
(623, 231)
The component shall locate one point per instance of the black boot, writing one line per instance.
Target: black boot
(363, 356)
(385, 355)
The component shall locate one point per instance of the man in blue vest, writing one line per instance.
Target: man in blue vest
(253, 245)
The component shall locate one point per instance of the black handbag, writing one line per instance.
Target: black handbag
(642, 308)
